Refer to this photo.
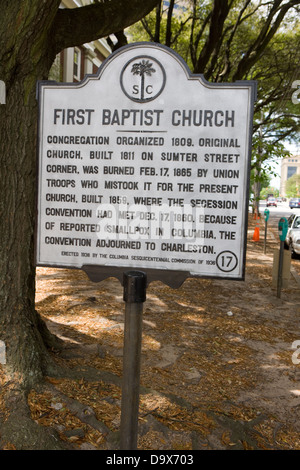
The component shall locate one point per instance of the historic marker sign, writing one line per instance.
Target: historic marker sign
(144, 166)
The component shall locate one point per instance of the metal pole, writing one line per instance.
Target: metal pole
(134, 283)
(265, 240)
(280, 264)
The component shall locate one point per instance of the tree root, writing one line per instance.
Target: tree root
(20, 432)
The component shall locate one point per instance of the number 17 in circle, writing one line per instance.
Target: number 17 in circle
(226, 261)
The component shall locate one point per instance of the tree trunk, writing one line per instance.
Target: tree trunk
(19, 322)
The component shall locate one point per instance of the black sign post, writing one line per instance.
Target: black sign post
(134, 283)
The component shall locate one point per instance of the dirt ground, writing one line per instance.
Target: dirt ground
(220, 365)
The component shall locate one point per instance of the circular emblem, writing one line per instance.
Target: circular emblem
(143, 79)
(226, 261)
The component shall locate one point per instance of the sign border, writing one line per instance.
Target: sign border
(98, 273)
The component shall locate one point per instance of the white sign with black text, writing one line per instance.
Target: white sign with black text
(144, 165)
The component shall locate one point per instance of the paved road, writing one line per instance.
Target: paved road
(282, 210)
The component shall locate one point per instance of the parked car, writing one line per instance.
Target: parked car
(292, 240)
(295, 244)
(271, 201)
(294, 202)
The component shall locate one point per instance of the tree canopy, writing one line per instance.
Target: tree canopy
(292, 187)
(229, 40)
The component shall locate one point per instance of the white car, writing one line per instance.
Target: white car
(271, 201)
(292, 240)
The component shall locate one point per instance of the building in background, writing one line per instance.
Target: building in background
(289, 166)
(72, 64)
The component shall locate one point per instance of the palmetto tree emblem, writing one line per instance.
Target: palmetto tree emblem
(143, 68)
(143, 78)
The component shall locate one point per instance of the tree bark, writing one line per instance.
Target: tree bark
(24, 59)
(27, 49)
(81, 25)
(219, 14)
(169, 23)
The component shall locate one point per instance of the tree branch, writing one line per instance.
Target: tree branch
(194, 43)
(158, 22)
(77, 26)
(147, 28)
(169, 23)
(278, 12)
(219, 14)
(121, 40)
(182, 25)
(227, 65)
